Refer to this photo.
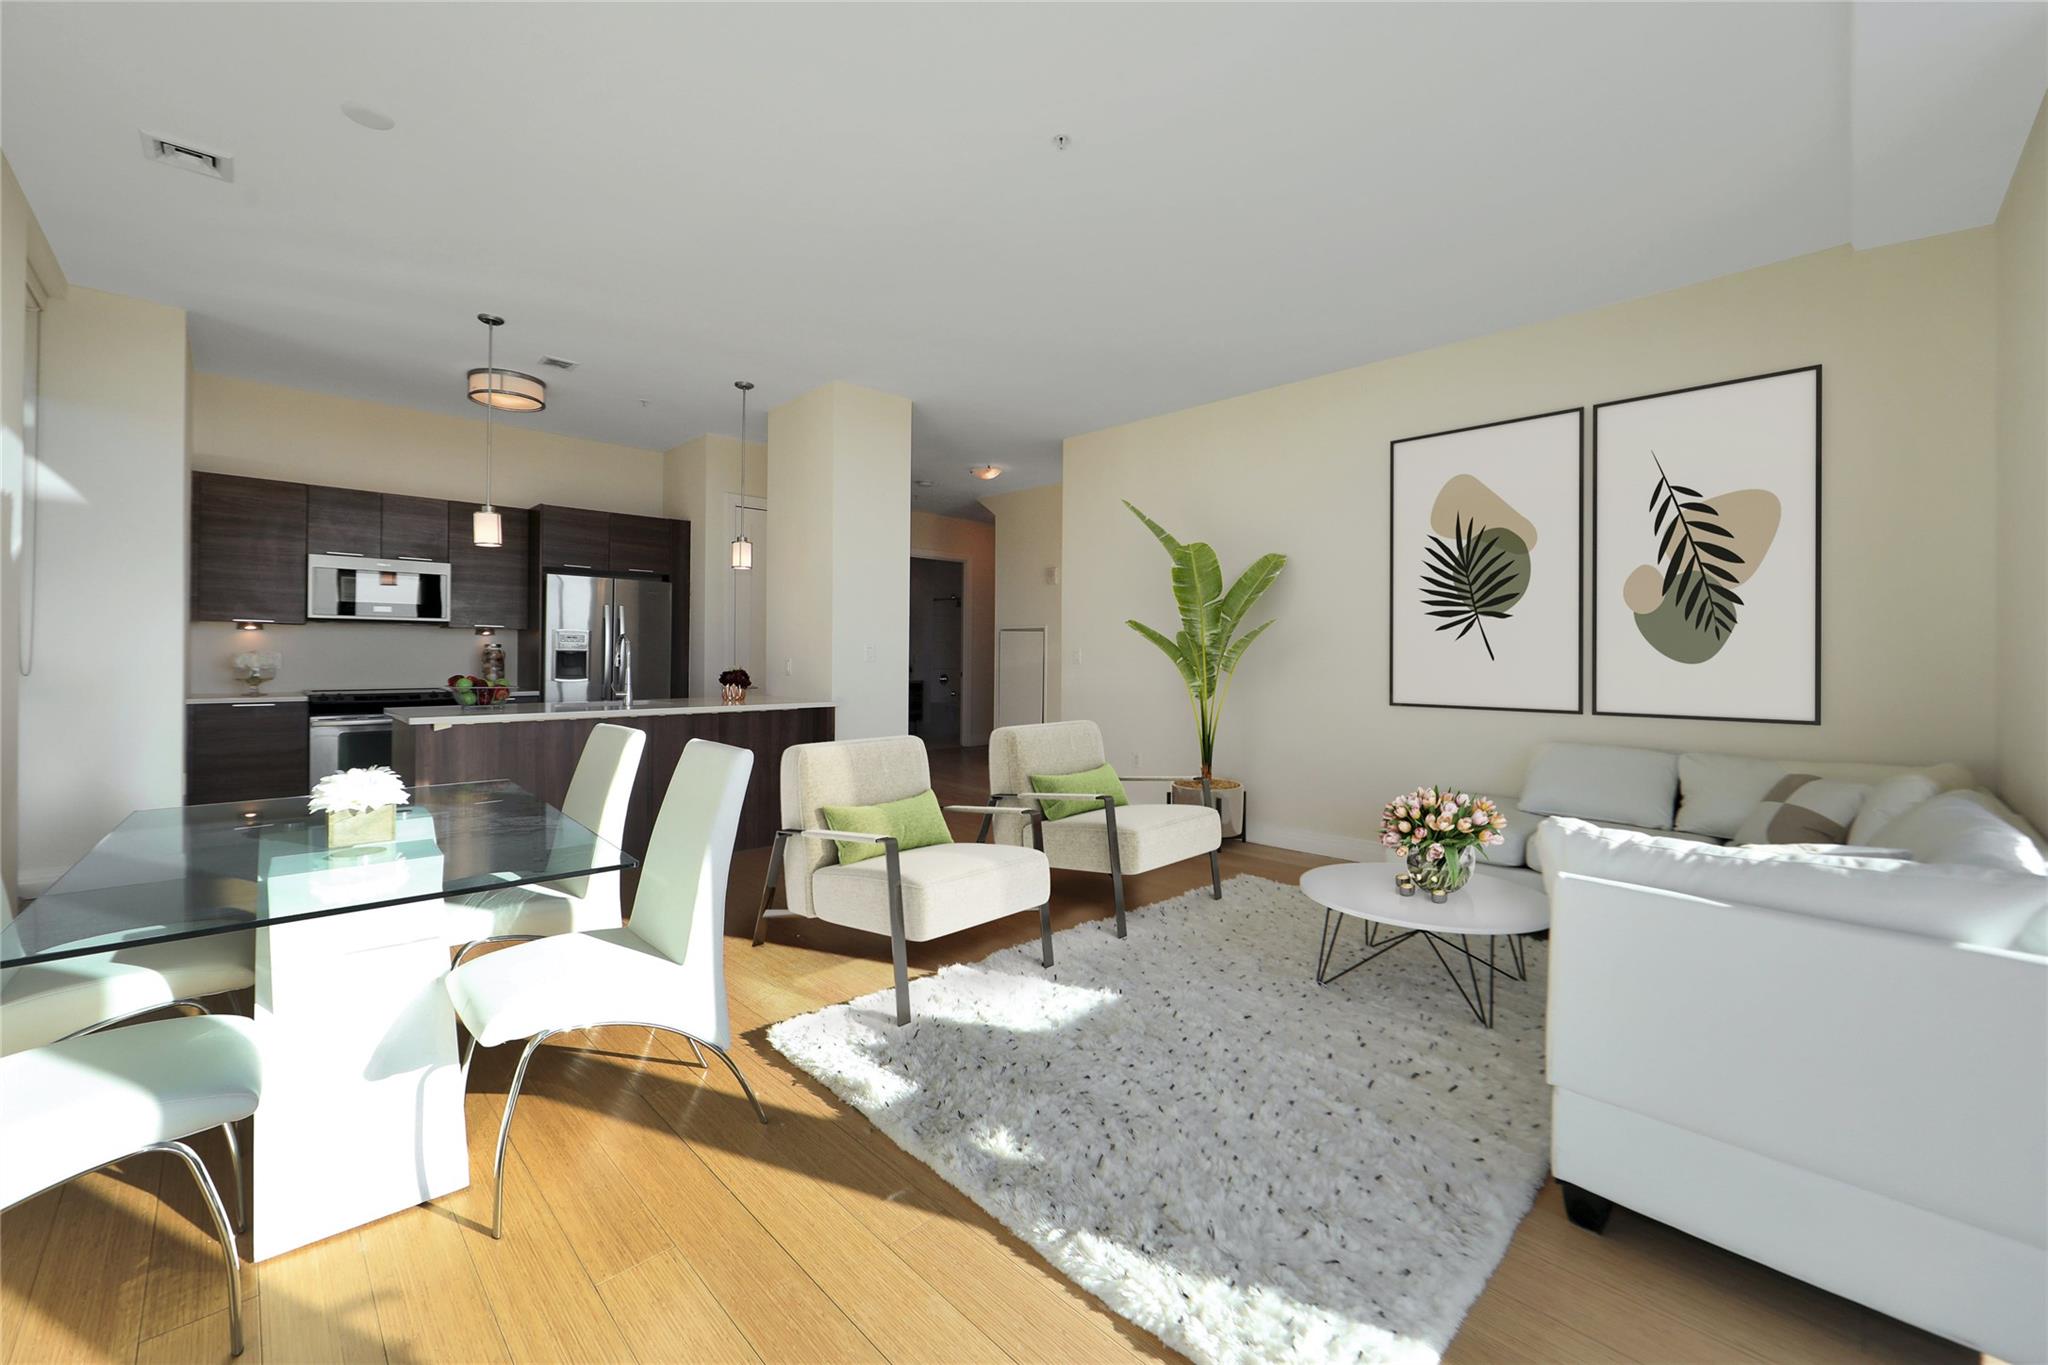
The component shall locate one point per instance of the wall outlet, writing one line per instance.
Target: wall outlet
(867, 653)
(1077, 658)
(789, 668)
(1052, 575)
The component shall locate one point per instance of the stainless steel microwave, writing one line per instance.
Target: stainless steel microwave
(358, 588)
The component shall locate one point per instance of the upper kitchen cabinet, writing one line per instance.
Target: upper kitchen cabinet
(491, 587)
(344, 521)
(414, 528)
(572, 538)
(248, 549)
(642, 545)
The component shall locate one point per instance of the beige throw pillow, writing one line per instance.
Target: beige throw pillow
(1803, 809)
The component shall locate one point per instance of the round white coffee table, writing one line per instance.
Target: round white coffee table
(1486, 907)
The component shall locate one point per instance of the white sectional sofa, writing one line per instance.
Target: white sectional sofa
(1833, 1063)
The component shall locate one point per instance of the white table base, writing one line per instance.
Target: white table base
(362, 1088)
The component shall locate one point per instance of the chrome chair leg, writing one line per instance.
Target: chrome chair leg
(695, 1051)
(1116, 864)
(211, 1195)
(1045, 934)
(775, 855)
(236, 1174)
(477, 943)
(1215, 874)
(196, 1006)
(505, 1131)
(739, 1076)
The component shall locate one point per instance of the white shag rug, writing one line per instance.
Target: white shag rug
(1241, 1162)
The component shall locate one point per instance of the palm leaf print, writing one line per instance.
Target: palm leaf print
(1469, 581)
(1691, 545)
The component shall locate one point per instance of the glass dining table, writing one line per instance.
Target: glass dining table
(362, 1106)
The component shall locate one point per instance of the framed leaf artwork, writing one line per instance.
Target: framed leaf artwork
(1486, 542)
(1706, 551)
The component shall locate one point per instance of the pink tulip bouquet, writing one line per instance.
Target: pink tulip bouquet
(1436, 829)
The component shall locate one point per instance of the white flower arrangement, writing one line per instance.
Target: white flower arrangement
(358, 791)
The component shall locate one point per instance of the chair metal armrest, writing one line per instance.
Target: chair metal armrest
(1183, 777)
(841, 834)
(990, 810)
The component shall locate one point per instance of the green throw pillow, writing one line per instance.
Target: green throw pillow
(1102, 781)
(916, 821)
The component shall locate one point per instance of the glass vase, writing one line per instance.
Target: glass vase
(1442, 877)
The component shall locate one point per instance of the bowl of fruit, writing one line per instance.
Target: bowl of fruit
(471, 690)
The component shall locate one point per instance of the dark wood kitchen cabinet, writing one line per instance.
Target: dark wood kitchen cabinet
(641, 544)
(490, 587)
(572, 538)
(414, 528)
(245, 750)
(344, 521)
(248, 549)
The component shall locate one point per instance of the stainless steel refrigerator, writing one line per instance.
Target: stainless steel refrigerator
(603, 639)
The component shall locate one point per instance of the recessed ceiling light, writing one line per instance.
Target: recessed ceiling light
(367, 117)
(986, 471)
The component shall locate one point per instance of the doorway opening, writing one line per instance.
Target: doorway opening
(937, 612)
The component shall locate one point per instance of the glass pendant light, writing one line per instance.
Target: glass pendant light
(742, 548)
(486, 526)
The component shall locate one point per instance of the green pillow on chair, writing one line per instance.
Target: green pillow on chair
(1101, 781)
(915, 821)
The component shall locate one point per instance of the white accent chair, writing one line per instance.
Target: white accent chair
(664, 971)
(75, 1106)
(599, 793)
(48, 1002)
(1131, 839)
(908, 894)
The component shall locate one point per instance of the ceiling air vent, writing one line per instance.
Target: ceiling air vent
(186, 157)
(555, 362)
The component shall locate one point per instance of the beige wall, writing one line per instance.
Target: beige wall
(1909, 481)
(1028, 572)
(973, 544)
(102, 711)
(2022, 570)
(242, 427)
(838, 575)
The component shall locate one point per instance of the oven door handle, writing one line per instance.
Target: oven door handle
(350, 722)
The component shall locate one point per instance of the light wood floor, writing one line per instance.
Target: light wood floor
(650, 1217)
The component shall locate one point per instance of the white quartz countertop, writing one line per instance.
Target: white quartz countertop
(584, 710)
(242, 698)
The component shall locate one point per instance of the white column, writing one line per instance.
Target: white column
(839, 574)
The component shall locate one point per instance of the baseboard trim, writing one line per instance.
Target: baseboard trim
(1318, 841)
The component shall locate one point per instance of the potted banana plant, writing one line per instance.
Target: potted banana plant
(1206, 648)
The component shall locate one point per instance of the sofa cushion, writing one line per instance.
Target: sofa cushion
(1516, 825)
(1716, 792)
(1603, 782)
(1534, 854)
(914, 822)
(1887, 801)
(1803, 809)
(1100, 780)
(1951, 902)
(1959, 827)
(1147, 836)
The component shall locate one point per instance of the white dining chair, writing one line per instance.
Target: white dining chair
(665, 970)
(75, 1106)
(1119, 840)
(599, 793)
(47, 1002)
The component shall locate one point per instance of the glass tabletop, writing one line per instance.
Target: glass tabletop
(189, 871)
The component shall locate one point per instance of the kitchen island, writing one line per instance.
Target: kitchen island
(536, 744)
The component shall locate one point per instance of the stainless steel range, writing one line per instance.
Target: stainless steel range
(350, 729)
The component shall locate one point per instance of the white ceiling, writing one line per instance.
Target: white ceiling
(676, 196)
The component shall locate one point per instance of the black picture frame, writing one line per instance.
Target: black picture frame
(1578, 559)
(1819, 557)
